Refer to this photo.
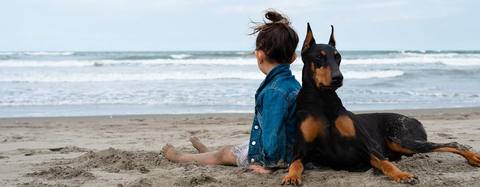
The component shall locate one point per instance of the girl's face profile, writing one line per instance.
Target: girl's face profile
(260, 56)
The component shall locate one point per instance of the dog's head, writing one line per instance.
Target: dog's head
(321, 62)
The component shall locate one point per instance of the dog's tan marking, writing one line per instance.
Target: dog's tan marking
(397, 148)
(311, 128)
(390, 170)
(294, 175)
(321, 76)
(472, 157)
(335, 52)
(344, 125)
(323, 53)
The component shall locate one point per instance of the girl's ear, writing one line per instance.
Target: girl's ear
(294, 57)
(260, 56)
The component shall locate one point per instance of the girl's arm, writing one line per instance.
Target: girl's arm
(274, 112)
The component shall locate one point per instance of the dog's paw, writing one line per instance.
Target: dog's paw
(292, 179)
(407, 178)
(473, 158)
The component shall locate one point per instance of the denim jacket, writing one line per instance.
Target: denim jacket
(274, 125)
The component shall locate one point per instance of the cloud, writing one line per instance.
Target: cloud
(205, 24)
(370, 10)
(258, 6)
(127, 4)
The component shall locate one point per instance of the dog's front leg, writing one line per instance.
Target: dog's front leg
(294, 175)
(295, 169)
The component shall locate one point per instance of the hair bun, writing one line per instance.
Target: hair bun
(276, 20)
(276, 17)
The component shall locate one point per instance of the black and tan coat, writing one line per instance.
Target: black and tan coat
(332, 136)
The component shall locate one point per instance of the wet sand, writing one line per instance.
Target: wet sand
(125, 151)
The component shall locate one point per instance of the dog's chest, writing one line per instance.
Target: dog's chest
(337, 150)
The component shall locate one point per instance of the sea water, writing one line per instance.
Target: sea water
(113, 83)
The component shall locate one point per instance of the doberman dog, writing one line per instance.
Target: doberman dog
(330, 135)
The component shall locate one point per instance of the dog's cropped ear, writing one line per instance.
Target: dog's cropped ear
(309, 40)
(332, 41)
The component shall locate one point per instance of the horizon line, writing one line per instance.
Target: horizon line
(242, 50)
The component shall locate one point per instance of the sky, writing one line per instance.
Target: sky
(170, 25)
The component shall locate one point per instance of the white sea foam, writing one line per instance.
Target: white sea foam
(175, 75)
(98, 77)
(31, 63)
(415, 60)
(372, 74)
(181, 60)
(180, 56)
(49, 53)
(86, 63)
(243, 52)
(237, 61)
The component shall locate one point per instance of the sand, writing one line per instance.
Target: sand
(125, 151)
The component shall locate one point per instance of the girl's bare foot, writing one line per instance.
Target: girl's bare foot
(201, 148)
(259, 169)
(170, 153)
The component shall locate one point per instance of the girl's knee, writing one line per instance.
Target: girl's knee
(225, 155)
(224, 151)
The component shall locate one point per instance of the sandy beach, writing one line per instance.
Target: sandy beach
(125, 151)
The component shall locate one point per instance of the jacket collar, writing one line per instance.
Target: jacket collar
(281, 70)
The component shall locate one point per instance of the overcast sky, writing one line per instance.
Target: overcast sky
(89, 25)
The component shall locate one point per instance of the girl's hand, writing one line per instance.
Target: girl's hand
(259, 169)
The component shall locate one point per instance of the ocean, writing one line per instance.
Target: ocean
(116, 83)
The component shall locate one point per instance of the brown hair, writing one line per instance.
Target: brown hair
(276, 38)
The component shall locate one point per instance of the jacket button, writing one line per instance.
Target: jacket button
(253, 142)
(252, 160)
(255, 127)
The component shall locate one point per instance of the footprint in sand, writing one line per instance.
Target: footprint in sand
(445, 135)
(139, 120)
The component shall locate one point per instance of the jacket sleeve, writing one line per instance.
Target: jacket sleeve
(274, 113)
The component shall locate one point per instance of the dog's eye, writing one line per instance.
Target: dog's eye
(338, 57)
(319, 60)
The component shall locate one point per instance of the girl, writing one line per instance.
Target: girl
(274, 124)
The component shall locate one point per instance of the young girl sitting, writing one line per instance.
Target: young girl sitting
(274, 124)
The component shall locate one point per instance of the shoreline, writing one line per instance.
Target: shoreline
(410, 112)
(125, 151)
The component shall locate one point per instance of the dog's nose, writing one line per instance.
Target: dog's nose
(337, 80)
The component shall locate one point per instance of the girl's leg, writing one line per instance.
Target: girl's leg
(224, 156)
(201, 148)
